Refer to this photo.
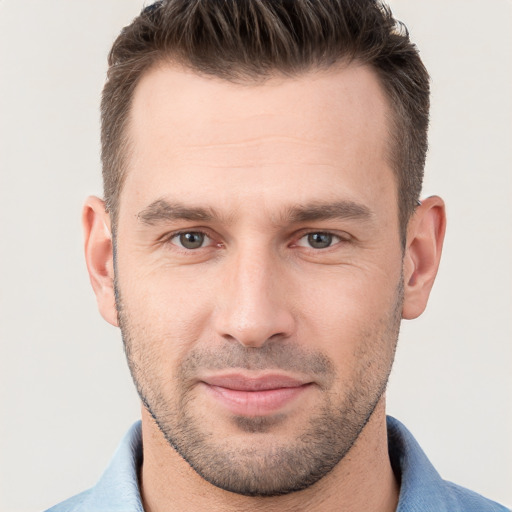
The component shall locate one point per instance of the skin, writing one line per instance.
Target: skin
(261, 161)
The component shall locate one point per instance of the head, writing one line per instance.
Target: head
(249, 42)
(266, 238)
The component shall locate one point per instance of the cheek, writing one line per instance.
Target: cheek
(348, 307)
(159, 330)
(166, 312)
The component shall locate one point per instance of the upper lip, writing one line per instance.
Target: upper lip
(240, 382)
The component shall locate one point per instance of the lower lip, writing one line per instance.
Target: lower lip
(256, 403)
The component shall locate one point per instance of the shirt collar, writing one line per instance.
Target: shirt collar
(420, 483)
(118, 488)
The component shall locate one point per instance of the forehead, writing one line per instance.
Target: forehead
(208, 138)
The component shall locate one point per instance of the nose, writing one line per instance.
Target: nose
(253, 302)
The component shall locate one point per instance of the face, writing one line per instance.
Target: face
(259, 270)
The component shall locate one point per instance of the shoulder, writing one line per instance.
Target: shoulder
(422, 489)
(465, 499)
(117, 489)
(73, 504)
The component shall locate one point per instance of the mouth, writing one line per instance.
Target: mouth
(250, 396)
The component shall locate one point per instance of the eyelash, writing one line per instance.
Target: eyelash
(340, 238)
(167, 239)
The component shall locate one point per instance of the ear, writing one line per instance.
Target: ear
(425, 235)
(99, 256)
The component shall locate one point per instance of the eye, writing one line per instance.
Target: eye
(190, 239)
(318, 240)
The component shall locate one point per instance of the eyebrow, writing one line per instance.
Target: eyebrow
(162, 210)
(327, 211)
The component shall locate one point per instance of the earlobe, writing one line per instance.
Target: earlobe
(425, 235)
(99, 256)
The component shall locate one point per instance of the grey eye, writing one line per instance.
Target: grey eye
(191, 240)
(319, 240)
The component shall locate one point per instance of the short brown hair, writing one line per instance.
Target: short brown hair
(243, 40)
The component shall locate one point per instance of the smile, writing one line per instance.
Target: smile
(245, 396)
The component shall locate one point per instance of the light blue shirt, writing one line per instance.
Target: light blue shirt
(421, 487)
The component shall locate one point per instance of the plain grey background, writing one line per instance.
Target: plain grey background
(66, 395)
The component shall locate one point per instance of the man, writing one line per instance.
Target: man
(260, 240)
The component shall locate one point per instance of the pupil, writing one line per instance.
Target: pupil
(191, 240)
(320, 240)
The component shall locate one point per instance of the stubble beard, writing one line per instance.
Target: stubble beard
(257, 468)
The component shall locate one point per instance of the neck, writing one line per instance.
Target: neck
(362, 480)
